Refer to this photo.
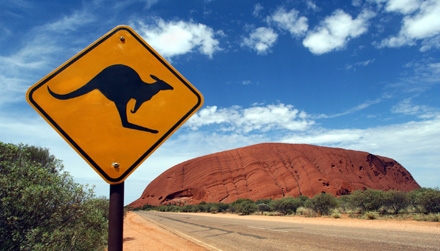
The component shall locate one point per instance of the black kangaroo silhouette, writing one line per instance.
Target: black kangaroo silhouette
(120, 83)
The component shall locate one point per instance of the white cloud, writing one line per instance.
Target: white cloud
(361, 63)
(426, 23)
(256, 118)
(311, 5)
(261, 40)
(176, 38)
(430, 43)
(43, 46)
(257, 10)
(356, 3)
(291, 21)
(407, 107)
(421, 76)
(357, 108)
(423, 24)
(69, 23)
(402, 6)
(335, 31)
(150, 3)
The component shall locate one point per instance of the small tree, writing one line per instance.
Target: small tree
(396, 200)
(322, 203)
(426, 200)
(262, 207)
(287, 205)
(345, 203)
(202, 206)
(42, 208)
(244, 206)
(367, 200)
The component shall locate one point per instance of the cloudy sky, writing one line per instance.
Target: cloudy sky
(361, 75)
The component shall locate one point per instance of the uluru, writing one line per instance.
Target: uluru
(274, 170)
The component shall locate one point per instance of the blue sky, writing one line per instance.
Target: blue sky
(361, 75)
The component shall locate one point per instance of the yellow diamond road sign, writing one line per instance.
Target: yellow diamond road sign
(115, 102)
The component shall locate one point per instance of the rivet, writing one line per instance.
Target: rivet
(115, 165)
(122, 39)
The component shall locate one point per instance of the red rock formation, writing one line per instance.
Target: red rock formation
(274, 170)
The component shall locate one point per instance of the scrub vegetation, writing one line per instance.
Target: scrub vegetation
(42, 208)
(422, 204)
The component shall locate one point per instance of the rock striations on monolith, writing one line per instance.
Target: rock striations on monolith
(274, 170)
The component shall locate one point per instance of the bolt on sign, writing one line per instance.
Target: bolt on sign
(115, 102)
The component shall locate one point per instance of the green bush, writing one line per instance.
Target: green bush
(263, 201)
(306, 212)
(222, 207)
(244, 206)
(371, 215)
(322, 203)
(336, 214)
(262, 207)
(215, 207)
(345, 204)
(426, 200)
(367, 200)
(42, 208)
(202, 207)
(395, 200)
(287, 205)
(427, 217)
(189, 208)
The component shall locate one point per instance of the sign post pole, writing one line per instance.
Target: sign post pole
(116, 217)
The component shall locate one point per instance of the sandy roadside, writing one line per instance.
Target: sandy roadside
(142, 234)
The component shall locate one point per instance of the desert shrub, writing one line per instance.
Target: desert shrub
(302, 199)
(42, 208)
(222, 207)
(262, 207)
(367, 200)
(427, 217)
(202, 207)
(145, 207)
(322, 203)
(287, 205)
(173, 208)
(371, 215)
(426, 200)
(336, 215)
(263, 201)
(345, 204)
(168, 208)
(213, 209)
(395, 200)
(306, 212)
(162, 208)
(244, 206)
(188, 208)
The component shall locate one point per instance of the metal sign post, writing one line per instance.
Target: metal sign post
(116, 217)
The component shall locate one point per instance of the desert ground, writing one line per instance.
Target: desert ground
(143, 234)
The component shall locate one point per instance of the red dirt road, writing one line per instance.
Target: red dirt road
(141, 234)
